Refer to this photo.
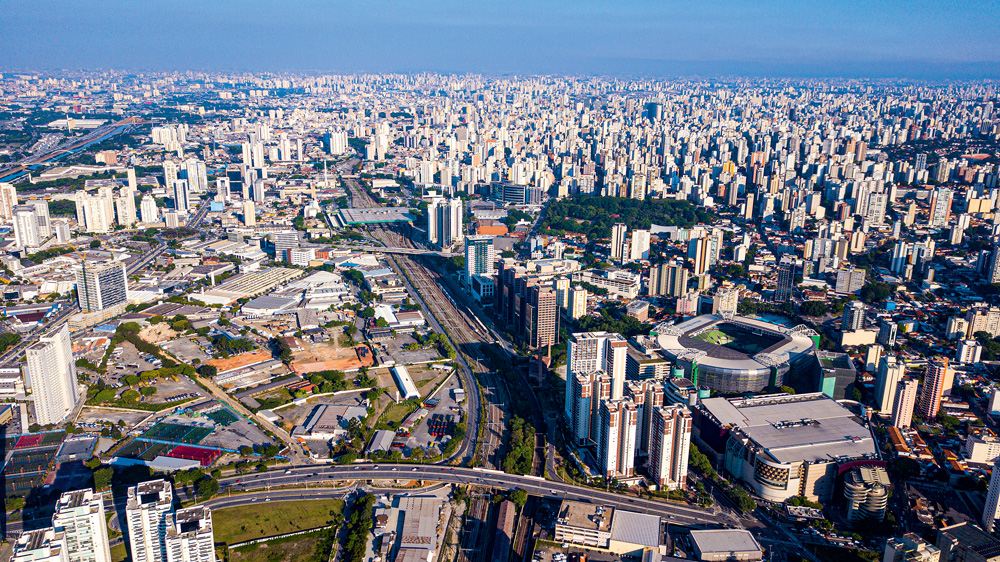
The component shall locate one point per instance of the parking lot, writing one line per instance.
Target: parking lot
(189, 348)
(127, 360)
(394, 348)
(421, 435)
(169, 389)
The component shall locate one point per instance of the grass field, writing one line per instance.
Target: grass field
(264, 519)
(291, 549)
(716, 337)
(119, 552)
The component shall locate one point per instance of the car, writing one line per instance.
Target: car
(414, 469)
(394, 468)
(357, 468)
(267, 499)
(375, 467)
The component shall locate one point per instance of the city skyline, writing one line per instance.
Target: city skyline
(922, 40)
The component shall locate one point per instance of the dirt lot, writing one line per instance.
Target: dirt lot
(90, 414)
(329, 356)
(157, 333)
(243, 359)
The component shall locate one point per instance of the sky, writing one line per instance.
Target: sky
(920, 39)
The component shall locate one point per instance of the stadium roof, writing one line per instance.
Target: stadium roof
(795, 428)
(678, 342)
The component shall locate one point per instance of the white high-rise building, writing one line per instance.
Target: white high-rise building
(40, 545)
(51, 374)
(147, 508)
(42, 217)
(991, 511)
(26, 233)
(968, 351)
(669, 445)
(169, 175)
(61, 229)
(79, 516)
(100, 285)
(249, 213)
(444, 221)
(125, 208)
(189, 536)
(147, 209)
(890, 372)
(133, 183)
(93, 213)
(617, 250)
(906, 400)
(587, 352)
(8, 200)
(617, 438)
(640, 245)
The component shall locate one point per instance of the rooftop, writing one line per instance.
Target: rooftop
(585, 516)
(793, 428)
(724, 540)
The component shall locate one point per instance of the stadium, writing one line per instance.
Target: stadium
(735, 354)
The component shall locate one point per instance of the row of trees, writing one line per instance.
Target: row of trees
(594, 216)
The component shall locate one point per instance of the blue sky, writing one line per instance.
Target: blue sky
(870, 38)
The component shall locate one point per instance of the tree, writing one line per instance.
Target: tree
(148, 390)
(417, 453)
(519, 497)
(102, 478)
(208, 487)
(368, 312)
(814, 308)
(208, 371)
(93, 463)
(381, 322)
(95, 243)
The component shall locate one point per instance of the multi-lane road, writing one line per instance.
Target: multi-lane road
(322, 476)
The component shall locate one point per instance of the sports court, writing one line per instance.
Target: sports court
(178, 433)
(204, 456)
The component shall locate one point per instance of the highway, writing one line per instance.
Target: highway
(302, 476)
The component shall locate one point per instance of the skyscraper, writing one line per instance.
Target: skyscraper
(940, 211)
(147, 209)
(890, 373)
(617, 250)
(169, 175)
(41, 217)
(182, 196)
(125, 208)
(902, 407)
(189, 536)
(79, 517)
(699, 253)
(639, 250)
(444, 221)
(667, 279)
(146, 509)
(787, 269)
(542, 313)
(854, 317)
(587, 352)
(480, 256)
(580, 407)
(51, 374)
(991, 510)
(933, 389)
(94, 213)
(8, 200)
(887, 332)
(617, 438)
(669, 445)
(249, 213)
(101, 285)
(26, 233)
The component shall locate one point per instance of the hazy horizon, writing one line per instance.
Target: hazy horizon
(772, 38)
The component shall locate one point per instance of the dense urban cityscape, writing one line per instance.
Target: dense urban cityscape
(428, 317)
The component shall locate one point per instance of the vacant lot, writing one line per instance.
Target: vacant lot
(265, 519)
(291, 549)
